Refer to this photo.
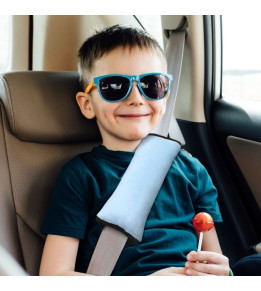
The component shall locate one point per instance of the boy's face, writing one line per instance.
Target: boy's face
(123, 124)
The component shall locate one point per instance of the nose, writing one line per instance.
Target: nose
(135, 97)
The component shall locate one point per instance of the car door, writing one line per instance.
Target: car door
(237, 119)
(228, 140)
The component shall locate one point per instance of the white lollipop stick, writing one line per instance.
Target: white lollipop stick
(200, 241)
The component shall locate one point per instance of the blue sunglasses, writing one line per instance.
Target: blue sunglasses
(117, 87)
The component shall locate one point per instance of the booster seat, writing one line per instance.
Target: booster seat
(41, 128)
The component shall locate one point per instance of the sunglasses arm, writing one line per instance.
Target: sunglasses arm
(89, 87)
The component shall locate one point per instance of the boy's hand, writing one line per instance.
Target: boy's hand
(171, 271)
(206, 263)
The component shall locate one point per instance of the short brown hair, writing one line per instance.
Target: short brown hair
(108, 39)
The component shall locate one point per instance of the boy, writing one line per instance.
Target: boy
(126, 111)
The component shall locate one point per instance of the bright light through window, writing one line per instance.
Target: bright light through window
(4, 41)
(241, 56)
(152, 24)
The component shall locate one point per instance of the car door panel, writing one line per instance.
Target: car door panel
(247, 155)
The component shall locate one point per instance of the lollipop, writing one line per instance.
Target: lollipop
(202, 222)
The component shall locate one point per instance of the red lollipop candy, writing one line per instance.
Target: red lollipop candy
(202, 222)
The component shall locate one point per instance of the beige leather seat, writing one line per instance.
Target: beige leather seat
(41, 128)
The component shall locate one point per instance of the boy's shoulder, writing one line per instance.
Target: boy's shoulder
(185, 160)
(185, 157)
(78, 162)
(185, 153)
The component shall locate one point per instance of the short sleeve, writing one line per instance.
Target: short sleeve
(205, 199)
(67, 214)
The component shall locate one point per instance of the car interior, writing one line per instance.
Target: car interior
(41, 127)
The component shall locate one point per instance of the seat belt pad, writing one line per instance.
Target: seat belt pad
(129, 206)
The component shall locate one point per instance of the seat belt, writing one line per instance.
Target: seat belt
(124, 215)
(168, 125)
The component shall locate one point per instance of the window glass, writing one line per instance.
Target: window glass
(152, 24)
(241, 57)
(4, 41)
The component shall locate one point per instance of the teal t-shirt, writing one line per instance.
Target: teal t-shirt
(86, 183)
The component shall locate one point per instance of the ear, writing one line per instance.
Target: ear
(85, 104)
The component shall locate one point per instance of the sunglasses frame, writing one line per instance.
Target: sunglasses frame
(133, 78)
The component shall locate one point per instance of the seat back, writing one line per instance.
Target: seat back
(41, 128)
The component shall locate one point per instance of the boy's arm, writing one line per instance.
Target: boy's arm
(210, 241)
(59, 256)
(210, 260)
(171, 271)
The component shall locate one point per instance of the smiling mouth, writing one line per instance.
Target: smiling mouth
(133, 116)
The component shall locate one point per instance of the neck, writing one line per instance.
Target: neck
(126, 146)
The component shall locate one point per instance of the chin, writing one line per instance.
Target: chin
(136, 136)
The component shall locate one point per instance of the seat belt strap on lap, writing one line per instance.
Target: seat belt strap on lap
(124, 215)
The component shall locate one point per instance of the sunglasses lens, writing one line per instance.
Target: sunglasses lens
(114, 88)
(154, 86)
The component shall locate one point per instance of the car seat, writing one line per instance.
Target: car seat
(41, 128)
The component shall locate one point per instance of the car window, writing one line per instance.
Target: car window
(4, 42)
(241, 57)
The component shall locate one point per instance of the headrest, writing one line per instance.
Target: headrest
(41, 107)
